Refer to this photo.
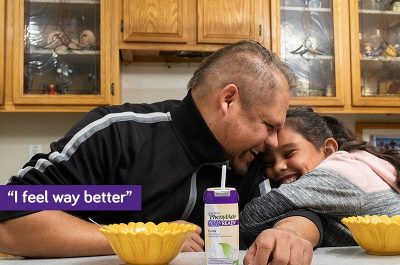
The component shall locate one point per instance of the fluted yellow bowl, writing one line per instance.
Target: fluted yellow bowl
(147, 243)
(378, 235)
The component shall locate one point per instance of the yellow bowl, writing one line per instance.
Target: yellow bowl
(141, 244)
(378, 235)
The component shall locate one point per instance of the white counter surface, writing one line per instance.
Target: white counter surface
(322, 256)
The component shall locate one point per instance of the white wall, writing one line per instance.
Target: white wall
(19, 130)
(140, 83)
(151, 82)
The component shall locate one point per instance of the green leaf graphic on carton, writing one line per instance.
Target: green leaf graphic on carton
(229, 252)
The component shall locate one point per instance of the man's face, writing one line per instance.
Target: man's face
(248, 132)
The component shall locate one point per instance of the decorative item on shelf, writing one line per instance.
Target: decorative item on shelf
(87, 39)
(63, 80)
(314, 4)
(54, 39)
(52, 89)
(72, 32)
(60, 42)
(394, 88)
(390, 50)
(383, 86)
(395, 5)
(373, 43)
(393, 38)
(329, 91)
(62, 49)
(368, 49)
(369, 87)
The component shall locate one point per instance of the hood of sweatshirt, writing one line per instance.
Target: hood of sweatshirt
(365, 170)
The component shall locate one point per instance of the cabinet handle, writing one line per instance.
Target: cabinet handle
(122, 25)
(259, 30)
(112, 89)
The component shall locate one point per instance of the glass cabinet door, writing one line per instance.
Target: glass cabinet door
(307, 40)
(376, 56)
(62, 58)
(2, 47)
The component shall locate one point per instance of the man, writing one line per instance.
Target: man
(237, 101)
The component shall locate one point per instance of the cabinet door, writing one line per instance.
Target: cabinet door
(375, 47)
(2, 47)
(60, 52)
(227, 21)
(312, 38)
(155, 21)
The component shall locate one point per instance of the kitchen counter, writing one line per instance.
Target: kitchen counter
(322, 256)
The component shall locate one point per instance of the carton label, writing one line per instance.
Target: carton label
(222, 234)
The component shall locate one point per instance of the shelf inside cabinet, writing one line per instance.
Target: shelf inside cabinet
(33, 50)
(380, 59)
(301, 9)
(309, 57)
(378, 12)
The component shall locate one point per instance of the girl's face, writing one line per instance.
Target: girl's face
(294, 157)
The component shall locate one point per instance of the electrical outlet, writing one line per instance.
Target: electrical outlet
(34, 149)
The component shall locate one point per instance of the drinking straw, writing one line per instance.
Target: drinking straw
(223, 177)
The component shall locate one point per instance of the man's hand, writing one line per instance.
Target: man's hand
(194, 243)
(279, 247)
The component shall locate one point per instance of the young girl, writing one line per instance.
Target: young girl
(321, 167)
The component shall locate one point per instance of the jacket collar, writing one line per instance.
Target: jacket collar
(194, 133)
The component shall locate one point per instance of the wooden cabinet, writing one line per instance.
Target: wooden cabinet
(312, 40)
(375, 35)
(62, 55)
(228, 21)
(326, 41)
(155, 21)
(190, 25)
(2, 47)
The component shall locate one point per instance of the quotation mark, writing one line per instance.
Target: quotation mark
(13, 193)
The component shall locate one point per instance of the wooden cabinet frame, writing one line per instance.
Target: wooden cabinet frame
(192, 42)
(341, 51)
(177, 30)
(347, 65)
(229, 32)
(2, 48)
(16, 100)
(358, 99)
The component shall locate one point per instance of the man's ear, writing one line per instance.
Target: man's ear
(229, 94)
(330, 146)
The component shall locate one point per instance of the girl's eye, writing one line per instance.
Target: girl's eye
(289, 153)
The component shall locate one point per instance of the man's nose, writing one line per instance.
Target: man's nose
(272, 140)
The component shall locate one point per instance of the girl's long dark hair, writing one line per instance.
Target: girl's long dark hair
(316, 128)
